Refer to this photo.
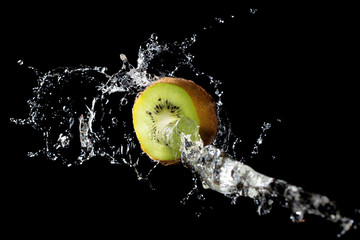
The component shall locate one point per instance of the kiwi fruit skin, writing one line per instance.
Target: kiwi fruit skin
(205, 108)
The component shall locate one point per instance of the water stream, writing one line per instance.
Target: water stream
(84, 112)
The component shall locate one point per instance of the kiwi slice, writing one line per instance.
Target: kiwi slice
(168, 107)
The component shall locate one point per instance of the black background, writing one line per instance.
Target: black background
(296, 64)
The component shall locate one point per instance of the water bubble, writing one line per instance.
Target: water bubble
(114, 120)
(123, 101)
(297, 216)
(65, 108)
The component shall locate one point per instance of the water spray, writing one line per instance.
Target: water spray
(218, 171)
(169, 124)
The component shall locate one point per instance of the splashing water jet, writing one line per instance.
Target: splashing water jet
(218, 171)
(87, 122)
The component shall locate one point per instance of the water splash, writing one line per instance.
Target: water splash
(220, 172)
(85, 112)
(266, 126)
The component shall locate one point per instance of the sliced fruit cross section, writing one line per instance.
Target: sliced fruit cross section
(167, 108)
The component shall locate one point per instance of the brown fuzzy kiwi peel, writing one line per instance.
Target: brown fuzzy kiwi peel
(205, 107)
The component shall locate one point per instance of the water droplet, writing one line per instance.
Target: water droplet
(234, 199)
(219, 20)
(123, 57)
(114, 120)
(31, 154)
(201, 197)
(103, 69)
(123, 101)
(266, 126)
(253, 10)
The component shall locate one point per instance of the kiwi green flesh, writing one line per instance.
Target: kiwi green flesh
(156, 115)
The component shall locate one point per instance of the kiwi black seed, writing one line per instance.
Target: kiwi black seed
(164, 106)
(158, 109)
